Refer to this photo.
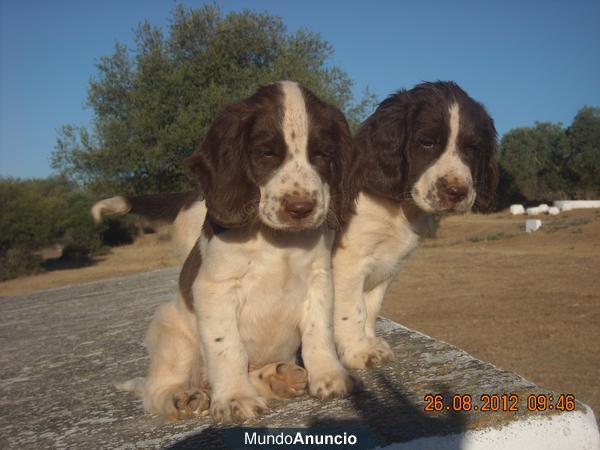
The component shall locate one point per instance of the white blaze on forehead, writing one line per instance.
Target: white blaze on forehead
(451, 147)
(295, 119)
(449, 161)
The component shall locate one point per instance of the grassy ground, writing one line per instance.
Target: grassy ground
(529, 303)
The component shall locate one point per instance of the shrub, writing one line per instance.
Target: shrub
(19, 261)
(39, 213)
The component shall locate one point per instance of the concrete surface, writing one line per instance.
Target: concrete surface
(62, 350)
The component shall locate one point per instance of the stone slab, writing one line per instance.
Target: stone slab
(62, 351)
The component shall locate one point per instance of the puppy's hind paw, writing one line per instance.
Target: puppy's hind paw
(280, 380)
(190, 403)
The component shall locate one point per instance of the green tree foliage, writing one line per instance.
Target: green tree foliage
(584, 138)
(547, 161)
(30, 211)
(535, 157)
(153, 104)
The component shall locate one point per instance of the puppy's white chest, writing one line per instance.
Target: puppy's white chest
(391, 252)
(271, 300)
(385, 236)
(277, 279)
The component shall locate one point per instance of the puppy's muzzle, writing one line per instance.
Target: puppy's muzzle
(299, 207)
(450, 194)
(454, 193)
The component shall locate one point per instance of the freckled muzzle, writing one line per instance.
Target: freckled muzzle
(451, 194)
(299, 207)
(294, 208)
(446, 194)
(298, 210)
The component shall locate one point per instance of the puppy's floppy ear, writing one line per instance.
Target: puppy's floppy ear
(345, 168)
(487, 177)
(221, 163)
(382, 143)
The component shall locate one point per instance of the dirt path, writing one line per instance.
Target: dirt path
(529, 303)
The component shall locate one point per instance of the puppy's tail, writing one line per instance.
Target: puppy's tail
(114, 205)
(159, 207)
(135, 386)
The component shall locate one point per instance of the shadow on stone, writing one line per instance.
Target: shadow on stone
(398, 420)
(377, 424)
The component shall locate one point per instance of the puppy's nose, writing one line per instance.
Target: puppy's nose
(299, 207)
(456, 193)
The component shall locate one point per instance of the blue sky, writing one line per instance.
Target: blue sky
(526, 61)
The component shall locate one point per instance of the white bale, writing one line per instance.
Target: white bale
(533, 211)
(567, 205)
(543, 208)
(532, 225)
(515, 210)
(553, 211)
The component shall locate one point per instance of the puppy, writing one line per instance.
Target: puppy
(424, 151)
(276, 172)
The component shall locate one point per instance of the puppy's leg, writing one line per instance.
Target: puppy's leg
(175, 387)
(379, 349)
(234, 399)
(327, 377)
(280, 380)
(355, 316)
(350, 316)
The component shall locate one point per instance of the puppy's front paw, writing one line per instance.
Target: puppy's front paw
(376, 352)
(190, 403)
(237, 409)
(382, 348)
(338, 384)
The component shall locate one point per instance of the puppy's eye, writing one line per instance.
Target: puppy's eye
(427, 144)
(470, 151)
(317, 153)
(265, 153)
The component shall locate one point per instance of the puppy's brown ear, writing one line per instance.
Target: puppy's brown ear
(487, 177)
(382, 146)
(221, 163)
(331, 134)
(346, 173)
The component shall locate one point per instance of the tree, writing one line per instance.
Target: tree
(535, 158)
(153, 104)
(584, 137)
(548, 162)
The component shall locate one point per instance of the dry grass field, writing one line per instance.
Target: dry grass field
(525, 302)
(149, 252)
(529, 303)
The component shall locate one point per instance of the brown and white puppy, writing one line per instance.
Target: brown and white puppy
(275, 172)
(425, 151)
